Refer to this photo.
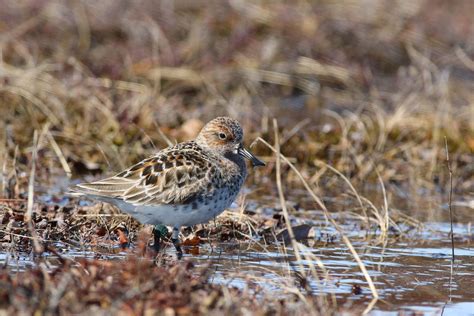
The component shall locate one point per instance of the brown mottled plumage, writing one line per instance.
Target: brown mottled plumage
(182, 185)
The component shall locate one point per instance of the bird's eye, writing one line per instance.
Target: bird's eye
(222, 136)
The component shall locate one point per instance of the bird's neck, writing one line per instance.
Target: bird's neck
(237, 161)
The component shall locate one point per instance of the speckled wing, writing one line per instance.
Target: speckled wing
(174, 176)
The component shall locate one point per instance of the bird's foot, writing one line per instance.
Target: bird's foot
(177, 245)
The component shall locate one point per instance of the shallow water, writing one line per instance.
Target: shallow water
(409, 276)
(413, 276)
(411, 273)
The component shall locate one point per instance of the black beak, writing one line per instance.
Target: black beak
(247, 154)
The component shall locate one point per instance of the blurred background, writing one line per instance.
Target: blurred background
(362, 85)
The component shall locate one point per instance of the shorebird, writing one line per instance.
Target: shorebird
(182, 185)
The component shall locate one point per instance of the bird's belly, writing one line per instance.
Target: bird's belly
(197, 212)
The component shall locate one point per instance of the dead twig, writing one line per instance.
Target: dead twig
(450, 204)
(31, 187)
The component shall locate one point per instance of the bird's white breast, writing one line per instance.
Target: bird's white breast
(196, 212)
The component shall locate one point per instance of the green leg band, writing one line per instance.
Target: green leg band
(160, 230)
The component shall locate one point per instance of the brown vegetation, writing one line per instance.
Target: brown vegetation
(363, 92)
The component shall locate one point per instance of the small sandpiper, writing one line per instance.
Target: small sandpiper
(182, 185)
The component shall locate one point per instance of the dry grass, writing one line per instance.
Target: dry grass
(128, 286)
(108, 80)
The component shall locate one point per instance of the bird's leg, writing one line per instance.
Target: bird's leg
(159, 231)
(175, 240)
